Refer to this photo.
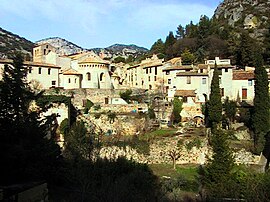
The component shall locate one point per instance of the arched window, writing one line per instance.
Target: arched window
(88, 76)
(69, 80)
(101, 76)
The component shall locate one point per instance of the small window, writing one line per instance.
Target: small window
(201, 70)
(142, 83)
(184, 99)
(49, 71)
(69, 80)
(39, 70)
(250, 83)
(222, 92)
(155, 70)
(75, 81)
(44, 51)
(150, 70)
(53, 83)
(30, 70)
(149, 78)
(155, 78)
(203, 80)
(188, 80)
(150, 87)
(169, 81)
(102, 76)
(88, 76)
(167, 72)
(226, 70)
(146, 71)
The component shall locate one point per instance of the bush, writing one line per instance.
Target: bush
(126, 95)
(88, 106)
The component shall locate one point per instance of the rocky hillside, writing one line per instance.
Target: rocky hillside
(10, 42)
(63, 47)
(121, 50)
(253, 15)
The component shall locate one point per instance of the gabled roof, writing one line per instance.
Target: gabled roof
(185, 93)
(71, 72)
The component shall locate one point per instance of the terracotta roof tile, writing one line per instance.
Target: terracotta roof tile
(242, 75)
(185, 93)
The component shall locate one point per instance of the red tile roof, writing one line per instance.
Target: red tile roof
(185, 93)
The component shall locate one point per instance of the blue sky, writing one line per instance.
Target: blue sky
(101, 23)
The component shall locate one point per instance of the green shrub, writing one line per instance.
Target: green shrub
(88, 106)
(97, 107)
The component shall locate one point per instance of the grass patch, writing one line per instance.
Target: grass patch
(158, 134)
(190, 171)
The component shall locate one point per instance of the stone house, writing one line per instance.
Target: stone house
(40, 75)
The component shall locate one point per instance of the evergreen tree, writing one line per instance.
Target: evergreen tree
(170, 41)
(260, 117)
(187, 57)
(26, 150)
(180, 32)
(266, 46)
(229, 109)
(214, 106)
(158, 47)
(191, 30)
(177, 108)
(246, 50)
(216, 177)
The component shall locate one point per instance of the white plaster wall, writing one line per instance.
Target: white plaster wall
(44, 78)
(238, 85)
(74, 81)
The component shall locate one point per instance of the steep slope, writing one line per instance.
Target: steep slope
(10, 42)
(63, 47)
(253, 15)
(121, 50)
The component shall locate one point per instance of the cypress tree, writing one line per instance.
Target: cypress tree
(26, 153)
(216, 177)
(260, 116)
(214, 106)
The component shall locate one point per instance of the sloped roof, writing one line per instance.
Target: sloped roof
(30, 63)
(182, 67)
(191, 74)
(92, 59)
(243, 75)
(175, 61)
(185, 93)
(71, 72)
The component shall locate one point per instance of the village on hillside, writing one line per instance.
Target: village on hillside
(87, 70)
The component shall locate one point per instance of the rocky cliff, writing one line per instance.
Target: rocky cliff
(63, 47)
(253, 15)
(10, 42)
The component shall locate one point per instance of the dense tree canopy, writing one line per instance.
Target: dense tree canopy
(27, 147)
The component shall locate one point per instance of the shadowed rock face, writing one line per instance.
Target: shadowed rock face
(245, 14)
(10, 42)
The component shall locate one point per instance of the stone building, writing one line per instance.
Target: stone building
(41, 75)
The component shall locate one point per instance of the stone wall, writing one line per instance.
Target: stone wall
(159, 153)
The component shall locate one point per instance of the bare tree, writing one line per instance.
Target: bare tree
(175, 155)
